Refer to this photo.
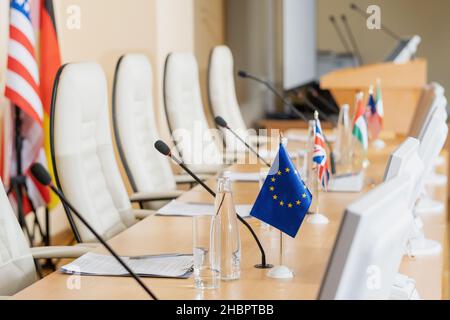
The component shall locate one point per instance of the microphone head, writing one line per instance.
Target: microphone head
(242, 74)
(332, 19)
(162, 147)
(221, 122)
(353, 6)
(41, 174)
(344, 17)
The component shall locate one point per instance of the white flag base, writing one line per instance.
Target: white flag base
(280, 272)
(379, 144)
(318, 218)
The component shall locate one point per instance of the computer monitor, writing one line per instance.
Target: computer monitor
(405, 50)
(431, 99)
(405, 160)
(433, 138)
(370, 244)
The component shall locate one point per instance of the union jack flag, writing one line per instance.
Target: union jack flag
(320, 156)
(23, 90)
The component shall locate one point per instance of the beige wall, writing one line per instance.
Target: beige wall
(429, 19)
(209, 31)
(110, 28)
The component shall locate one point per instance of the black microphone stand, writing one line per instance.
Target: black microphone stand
(103, 242)
(352, 39)
(264, 264)
(20, 189)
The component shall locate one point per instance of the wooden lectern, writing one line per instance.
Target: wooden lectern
(401, 85)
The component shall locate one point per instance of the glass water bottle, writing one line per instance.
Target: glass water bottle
(225, 211)
(343, 148)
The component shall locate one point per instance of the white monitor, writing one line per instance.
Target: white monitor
(433, 139)
(431, 99)
(405, 50)
(370, 244)
(405, 160)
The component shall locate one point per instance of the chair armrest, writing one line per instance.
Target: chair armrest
(141, 214)
(59, 252)
(185, 178)
(155, 196)
(88, 245)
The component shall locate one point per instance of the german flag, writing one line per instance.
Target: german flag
(50, 61)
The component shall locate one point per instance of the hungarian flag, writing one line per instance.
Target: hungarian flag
(374, 120)
(50, 61)
(379, 101)
(360, 130)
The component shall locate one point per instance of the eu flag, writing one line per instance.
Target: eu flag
(284, 200)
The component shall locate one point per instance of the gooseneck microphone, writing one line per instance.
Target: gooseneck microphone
(223, 124)
(388, 31)
(164, 149)
(352, 39)
(246, 75)
(340, 35)
(43, 177)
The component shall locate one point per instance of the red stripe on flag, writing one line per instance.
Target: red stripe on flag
(19, 101)
(18, 68)
(18, 35)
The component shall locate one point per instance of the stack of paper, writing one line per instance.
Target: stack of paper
(159, 266)
(178, 208)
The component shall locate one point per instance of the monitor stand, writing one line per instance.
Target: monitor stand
(418, 245)
(404, 288)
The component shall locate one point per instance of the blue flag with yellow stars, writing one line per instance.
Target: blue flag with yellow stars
(284, 199)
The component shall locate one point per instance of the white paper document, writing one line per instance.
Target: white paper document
(178, 208)
(163, 266)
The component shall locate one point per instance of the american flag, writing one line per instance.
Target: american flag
(23, 91)
(320, 155)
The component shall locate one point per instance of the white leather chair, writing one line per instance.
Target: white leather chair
(83, 154)
(199, 147)
(17, 269)
(223, 100)
(135, 132)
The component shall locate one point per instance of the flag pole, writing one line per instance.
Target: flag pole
(317, 218)
(281, 248)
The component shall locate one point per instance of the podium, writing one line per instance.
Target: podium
(401, 85)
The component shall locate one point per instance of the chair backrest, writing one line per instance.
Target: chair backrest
(17, 269)
(82, 151)
(135, 126)
(192, 136)
(221, 88)
(222, 95)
